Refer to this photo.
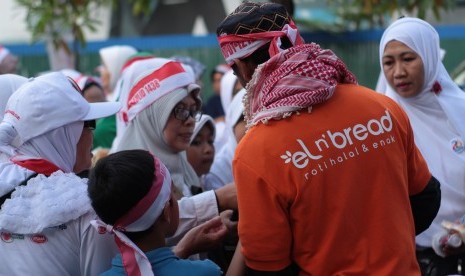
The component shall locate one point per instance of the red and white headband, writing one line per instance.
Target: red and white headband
(242, 45)
(140, 218)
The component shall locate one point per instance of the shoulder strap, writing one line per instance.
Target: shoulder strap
(8, 195)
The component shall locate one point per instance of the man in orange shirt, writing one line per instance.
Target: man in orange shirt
(329, 180)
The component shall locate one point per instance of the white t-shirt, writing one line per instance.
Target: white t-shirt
(74, 248)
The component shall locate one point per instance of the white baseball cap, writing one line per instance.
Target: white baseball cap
(48, 102)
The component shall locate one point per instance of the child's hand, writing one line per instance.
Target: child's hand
(201, 238)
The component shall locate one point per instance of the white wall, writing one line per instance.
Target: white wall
(13, 26)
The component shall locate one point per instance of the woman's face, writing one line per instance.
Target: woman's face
(94, 94)
(403, 69)
(201, 151)
(105, 79)
(177, 133)
(84, 151)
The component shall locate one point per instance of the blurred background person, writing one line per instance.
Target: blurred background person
(8, 61)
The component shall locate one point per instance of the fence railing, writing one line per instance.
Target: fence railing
(359, 50)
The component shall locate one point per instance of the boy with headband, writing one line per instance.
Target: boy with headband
(131, 192)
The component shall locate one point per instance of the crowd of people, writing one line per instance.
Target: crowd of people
(290, 168)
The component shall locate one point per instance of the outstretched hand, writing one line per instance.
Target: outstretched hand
(201, 238)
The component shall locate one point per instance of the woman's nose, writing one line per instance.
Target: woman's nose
(399, 70)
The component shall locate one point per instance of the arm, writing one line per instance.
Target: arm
(237, 265)
(201, 238)
(425, 205)
(197, 209)
(264, 217)
(193, 211)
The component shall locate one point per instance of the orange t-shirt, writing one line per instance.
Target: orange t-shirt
(329, 190)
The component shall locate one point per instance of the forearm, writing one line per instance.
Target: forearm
(193, 211)
(425, 205)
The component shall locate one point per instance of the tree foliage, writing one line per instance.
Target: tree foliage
(374, 12)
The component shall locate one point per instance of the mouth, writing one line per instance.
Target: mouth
(186, 135)
(403, 85)
(208, 161)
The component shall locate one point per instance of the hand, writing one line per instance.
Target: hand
(201, 238)
(230, 225)
(227, 197)
(451, 248)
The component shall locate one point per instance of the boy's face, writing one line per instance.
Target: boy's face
(174, 213)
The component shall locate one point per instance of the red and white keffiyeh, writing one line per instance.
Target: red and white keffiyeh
(140, 218)
(296, 78)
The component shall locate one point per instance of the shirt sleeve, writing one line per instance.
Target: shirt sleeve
(418, 171)
(264, 228)
(193, 211)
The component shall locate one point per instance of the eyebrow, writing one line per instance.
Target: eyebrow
(401, 54)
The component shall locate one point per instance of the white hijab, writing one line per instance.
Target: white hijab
(143, 122)
(114, 57)
(437, 119)
(129, 76)
(228, 81)
(145, 131)
(8, 84)
(221, 170)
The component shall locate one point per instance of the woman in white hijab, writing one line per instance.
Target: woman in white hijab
(161, 108)
(221, 171)
(46, 136)
(113, 58)
(229, 87)
(410, 59)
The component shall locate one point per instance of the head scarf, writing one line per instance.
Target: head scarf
(41, 112)
(205, 119)
(228, 82)
(292, 79)
(251, 26)
(297, 78)
(8, 84)
(222, 165)
(140, 218)
(114, 57)
(436, 115)
(197, 67)
(148, 107)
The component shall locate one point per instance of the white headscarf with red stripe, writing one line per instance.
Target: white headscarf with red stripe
(147, 105)
(140, 218)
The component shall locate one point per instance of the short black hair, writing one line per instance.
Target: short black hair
(118, 182)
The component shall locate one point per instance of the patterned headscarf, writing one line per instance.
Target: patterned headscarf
(292, 79)
(251, 26)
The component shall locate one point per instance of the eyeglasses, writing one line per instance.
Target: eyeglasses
(183, 114)
(90, 124)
